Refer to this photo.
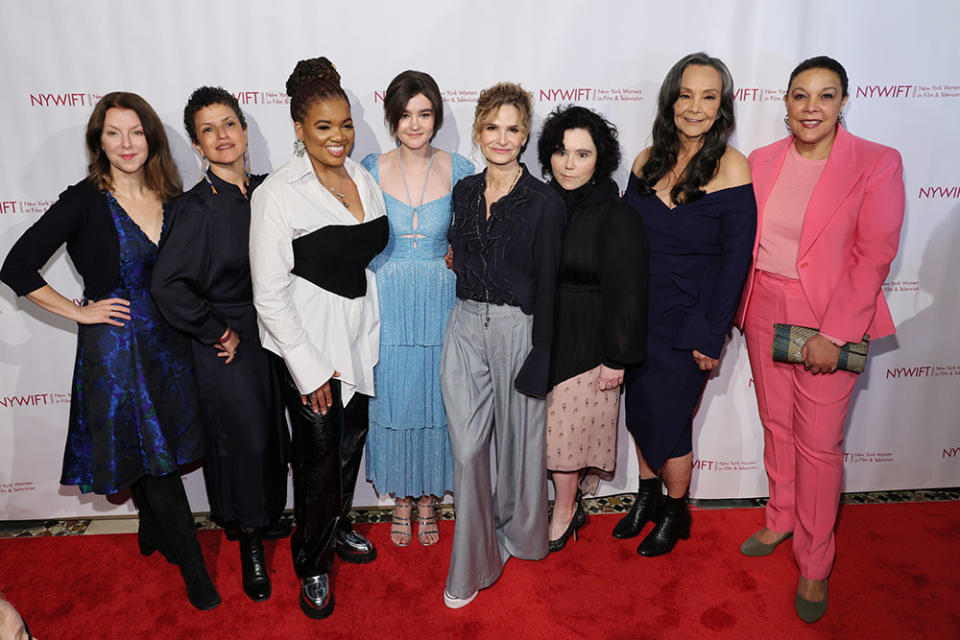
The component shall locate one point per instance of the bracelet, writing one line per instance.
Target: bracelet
(226, 336)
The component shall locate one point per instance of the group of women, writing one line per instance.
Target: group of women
(459, 316)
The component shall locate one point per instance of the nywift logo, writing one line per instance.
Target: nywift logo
(42, 100)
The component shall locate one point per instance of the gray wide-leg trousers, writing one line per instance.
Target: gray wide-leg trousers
(483, 350)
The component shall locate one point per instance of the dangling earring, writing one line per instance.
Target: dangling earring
(205, 169)
(786, 121)
(299, 148)
(840, 118)
(246, 167)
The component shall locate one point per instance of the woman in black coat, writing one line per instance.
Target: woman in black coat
(201, 284)
(600, 309)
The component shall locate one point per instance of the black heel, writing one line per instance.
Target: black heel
(647, 507)
(579, 519)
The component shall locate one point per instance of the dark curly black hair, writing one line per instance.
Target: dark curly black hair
(666, 141)
(204, 97)
(312, 80)
(821, 62)
(603, 132)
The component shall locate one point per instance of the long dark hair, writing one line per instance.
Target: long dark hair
(160, 172)
(666, 141)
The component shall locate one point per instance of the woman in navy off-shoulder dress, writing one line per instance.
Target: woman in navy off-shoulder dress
(694, 193)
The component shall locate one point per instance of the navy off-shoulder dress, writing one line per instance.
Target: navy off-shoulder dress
(699, 255)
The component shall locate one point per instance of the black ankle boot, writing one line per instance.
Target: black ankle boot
(256, 579)
(647, 505)
(675, 525)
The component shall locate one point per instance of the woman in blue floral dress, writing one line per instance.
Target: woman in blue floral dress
(134, 417)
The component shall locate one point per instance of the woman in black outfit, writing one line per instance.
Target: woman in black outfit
(201, 284)
(600, 310)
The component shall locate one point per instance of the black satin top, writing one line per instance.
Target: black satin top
(511, 259)
(335, 257)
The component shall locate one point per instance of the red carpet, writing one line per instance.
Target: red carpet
(897, 576)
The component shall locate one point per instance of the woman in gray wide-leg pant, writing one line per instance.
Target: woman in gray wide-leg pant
(484, 348)
(505, 238)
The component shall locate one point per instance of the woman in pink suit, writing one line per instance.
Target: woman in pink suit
(830, 209)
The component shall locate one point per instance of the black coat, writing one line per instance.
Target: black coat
(600, 310)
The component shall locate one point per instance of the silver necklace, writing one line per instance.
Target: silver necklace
(423, 191)
(338, 193)
(516, 179)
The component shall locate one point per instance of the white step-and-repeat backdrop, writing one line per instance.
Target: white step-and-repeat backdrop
(60, 56)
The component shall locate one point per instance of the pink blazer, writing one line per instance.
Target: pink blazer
(850, 233)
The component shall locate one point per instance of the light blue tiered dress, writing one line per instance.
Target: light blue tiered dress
(408, 447)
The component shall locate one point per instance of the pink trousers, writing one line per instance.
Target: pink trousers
(803, 417)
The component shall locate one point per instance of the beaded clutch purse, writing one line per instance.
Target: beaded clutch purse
(788, 340)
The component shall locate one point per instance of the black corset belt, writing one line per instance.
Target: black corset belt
(335, 257)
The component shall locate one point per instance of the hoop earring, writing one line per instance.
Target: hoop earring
(246, 167)
(299, 148)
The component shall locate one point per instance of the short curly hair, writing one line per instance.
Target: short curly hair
(603, 132)
(499, 95)
(204, 97)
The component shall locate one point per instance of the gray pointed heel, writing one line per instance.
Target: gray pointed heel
(756, 549)
(810, 611)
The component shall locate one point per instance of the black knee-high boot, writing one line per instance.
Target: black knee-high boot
(647, 506)
(168, 502)
(149, 536)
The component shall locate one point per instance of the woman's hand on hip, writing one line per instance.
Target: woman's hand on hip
(820, 355)
(706, 363)
(322, 399)
(227, 345)
(609, 378)
(106, 311)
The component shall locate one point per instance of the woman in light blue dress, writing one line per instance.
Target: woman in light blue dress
(408, 448)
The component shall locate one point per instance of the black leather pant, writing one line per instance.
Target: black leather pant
(325, 460)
